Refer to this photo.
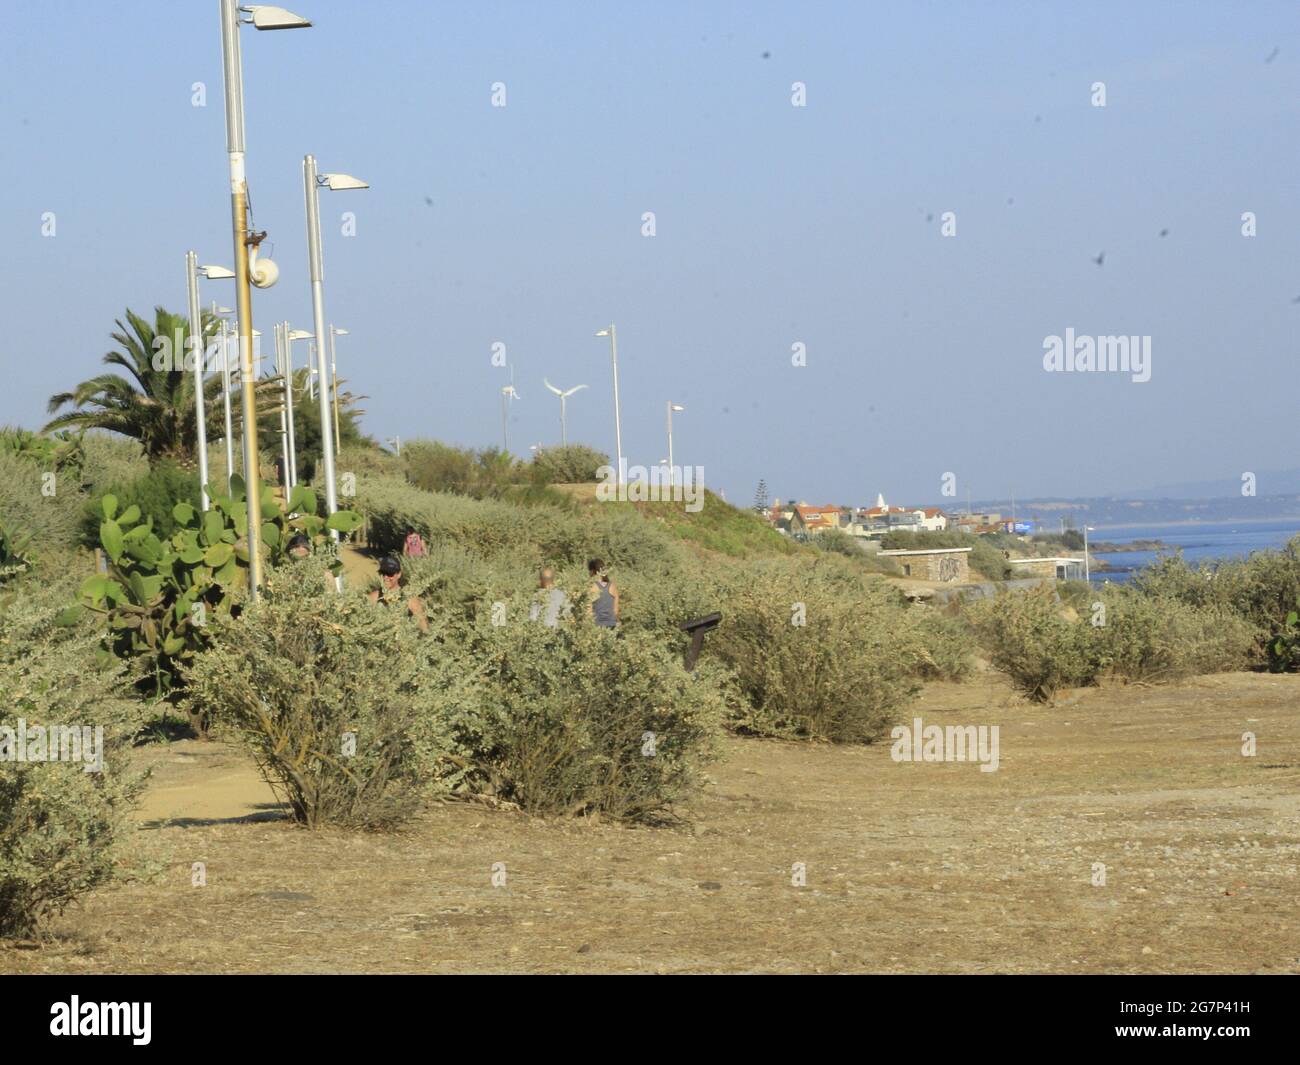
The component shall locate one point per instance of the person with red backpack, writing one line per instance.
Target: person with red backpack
(413, 545)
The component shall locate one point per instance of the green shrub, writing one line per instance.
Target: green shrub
(110, 459)
(1028, 637)
(61, 452)
(581, 721)
(156, 494)
(532, 536)
(62, 829)
(843, 674)
(837, 541)
(1261, 589)
(15, 553)
(347, 711)
(366, 461)
(480, 474)
(1284, 647)
(574, 464)
(46, 508)
(1147, 638)
(717, 526)
(949, 646)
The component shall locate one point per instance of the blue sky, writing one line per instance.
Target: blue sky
(775, 224)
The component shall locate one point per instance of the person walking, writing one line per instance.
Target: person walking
(548, 605)
(413, 545)
(390, 590)
(604, 607)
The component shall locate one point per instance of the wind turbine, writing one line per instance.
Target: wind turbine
(564, 396)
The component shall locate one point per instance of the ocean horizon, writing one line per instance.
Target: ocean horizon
(1197, 541)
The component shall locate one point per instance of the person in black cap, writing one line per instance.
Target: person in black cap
(390, 580)
(299, 546)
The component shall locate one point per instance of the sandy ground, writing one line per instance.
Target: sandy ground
(909, 867)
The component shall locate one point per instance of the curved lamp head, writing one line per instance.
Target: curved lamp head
(267, 17)
(341, 182)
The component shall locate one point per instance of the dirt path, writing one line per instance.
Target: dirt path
(909, 867)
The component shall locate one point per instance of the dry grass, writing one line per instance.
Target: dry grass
(910, 868)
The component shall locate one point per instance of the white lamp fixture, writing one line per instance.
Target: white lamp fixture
(268, 17)
(341, 182)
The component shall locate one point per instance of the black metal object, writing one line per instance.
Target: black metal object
(697, 629)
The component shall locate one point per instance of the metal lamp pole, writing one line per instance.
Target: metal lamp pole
(198, 348)
(225, 401)
(264, 17)
(293, 443)
(334, 382)
(234, 81)
(280, 368)
(672, 477)
(612, 333)
(317, 269)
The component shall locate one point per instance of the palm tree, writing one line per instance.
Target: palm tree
(154, 405)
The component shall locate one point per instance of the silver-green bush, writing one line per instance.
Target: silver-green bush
(350, 715)
(820, 651)
(62, 829)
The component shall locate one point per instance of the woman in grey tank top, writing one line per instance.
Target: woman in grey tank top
(604, 608)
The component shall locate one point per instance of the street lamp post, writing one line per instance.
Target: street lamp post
(264, 17)
(290, 335)
(612, 333)
(334, 382)
(225, 402)
(507, 394)
(281, 367)
(198, 352)
(672, 477)
(1087, 568)
(316, 265)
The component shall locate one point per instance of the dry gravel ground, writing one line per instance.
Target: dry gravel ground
(910, 868)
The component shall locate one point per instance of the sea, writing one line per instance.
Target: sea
(1199, 542)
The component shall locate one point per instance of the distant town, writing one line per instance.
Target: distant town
(926, 546)
(874, 523)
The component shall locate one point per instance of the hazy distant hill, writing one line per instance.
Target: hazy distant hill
(1127, 511)
(1267, 483)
